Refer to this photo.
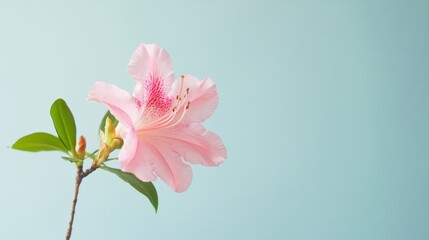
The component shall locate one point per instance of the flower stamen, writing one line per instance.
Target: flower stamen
(171, 118)
(182, 79)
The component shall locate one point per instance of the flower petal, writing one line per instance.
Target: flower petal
(139, 64)
(129, 148)
(161, 63)
(119, 102)
(194, 143)
(154, 156)
(168, 165)
(134, 157)
(151, 67)
(203, 98)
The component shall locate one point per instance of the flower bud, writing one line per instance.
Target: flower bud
(109, 131)
(110, 135)
(116, 143)
(119, 129)
(81, 148)
(109, 142)
(103, 154)
(101, 135)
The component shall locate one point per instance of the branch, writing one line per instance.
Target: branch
(80, 175)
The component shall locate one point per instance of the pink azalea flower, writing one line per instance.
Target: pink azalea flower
(161, 120)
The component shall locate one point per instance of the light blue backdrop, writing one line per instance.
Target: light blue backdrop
(323, 108)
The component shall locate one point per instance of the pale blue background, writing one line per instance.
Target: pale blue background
(323, 108)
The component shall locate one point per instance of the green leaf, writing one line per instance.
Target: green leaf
(146, 188)
(40, 141)
(64, 124)
(103, 121)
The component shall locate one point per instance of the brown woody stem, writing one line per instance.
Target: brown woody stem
(79, 177)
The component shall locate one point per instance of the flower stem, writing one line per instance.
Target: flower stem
(79, 177)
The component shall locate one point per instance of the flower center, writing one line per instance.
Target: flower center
(176, 113)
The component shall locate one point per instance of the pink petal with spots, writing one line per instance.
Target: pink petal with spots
(151, 67)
